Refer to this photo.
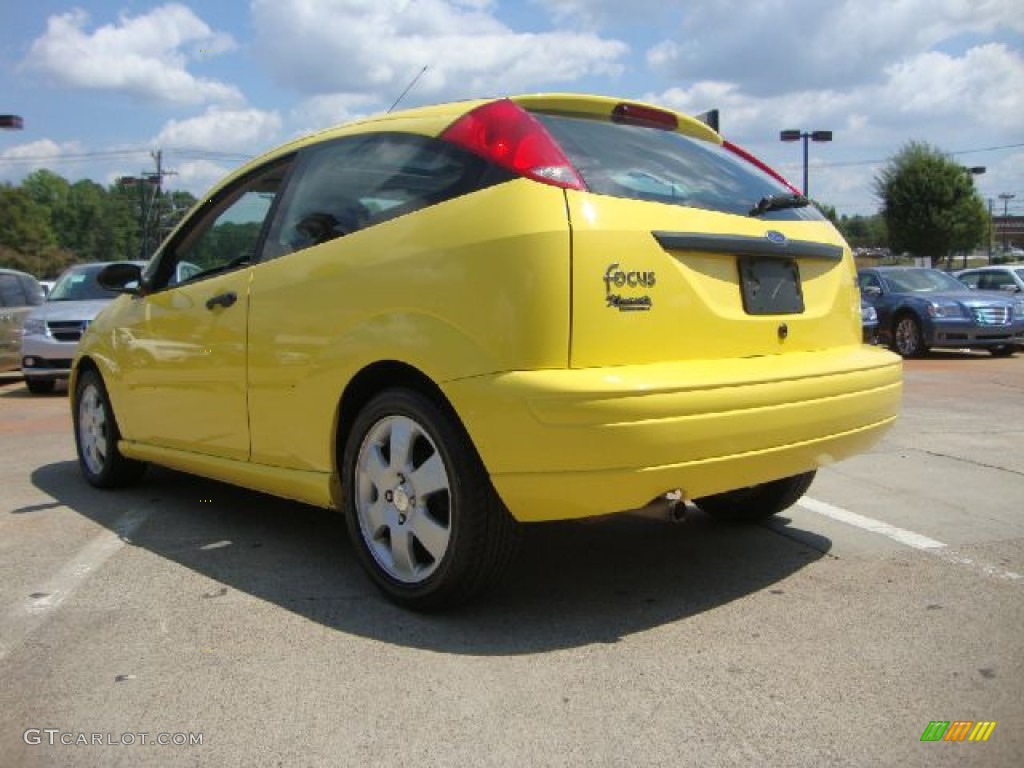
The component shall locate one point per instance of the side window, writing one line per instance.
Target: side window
(225, 234)
(11, 294)
(996, 281)
(347, 185)
(32, 289)
(867, 280)
(971, 280)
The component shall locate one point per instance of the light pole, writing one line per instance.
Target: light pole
(974, 170)
(1006, 197)
(796, 135)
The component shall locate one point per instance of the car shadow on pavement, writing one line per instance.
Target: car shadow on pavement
(574, 583)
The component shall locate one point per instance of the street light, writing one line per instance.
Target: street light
(1006, 197)
(11, 122)
(796, 135)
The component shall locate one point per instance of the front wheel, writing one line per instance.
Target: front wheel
(1005, 350)
(756, 502)
(907, 338)
(97, 436)
(426, 523)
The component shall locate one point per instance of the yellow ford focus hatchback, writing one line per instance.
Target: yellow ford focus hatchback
(452, 320)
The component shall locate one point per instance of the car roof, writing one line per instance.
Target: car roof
(991, 266)
(897, 269)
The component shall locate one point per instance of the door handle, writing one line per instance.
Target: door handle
(222, 300)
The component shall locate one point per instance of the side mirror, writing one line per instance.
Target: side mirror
(120, 278)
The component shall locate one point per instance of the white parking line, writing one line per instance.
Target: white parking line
(31, 611)
(905, 537)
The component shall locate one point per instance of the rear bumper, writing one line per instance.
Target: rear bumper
(574, 443)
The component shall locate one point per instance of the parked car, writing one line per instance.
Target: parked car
(19, 292)
(869, 322)
(920, 308)
(1001, 277)
(455, 319)
(52, 330)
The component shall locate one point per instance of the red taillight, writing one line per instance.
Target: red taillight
(636, 114)
(741, 152)
(509, 136)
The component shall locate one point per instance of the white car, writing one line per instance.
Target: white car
(51, 331)
(1001, 277)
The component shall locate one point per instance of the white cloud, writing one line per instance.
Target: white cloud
(954, 102)
(198, 176)
(143, 56)
(41, 149)
(222, 130)
(776, 46)
(17, 161)
(323, 111)
(378, 46)
(597, 13)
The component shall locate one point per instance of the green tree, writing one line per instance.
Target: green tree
(25, 230)
(929, 203)
(864, 231)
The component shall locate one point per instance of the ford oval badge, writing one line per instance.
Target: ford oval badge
(776, 237)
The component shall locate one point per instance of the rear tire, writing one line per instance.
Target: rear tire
(757, 502)
(97, 436)
(40, 386)
(425, 521)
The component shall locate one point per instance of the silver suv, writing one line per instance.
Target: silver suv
(51, 333)
(19, 292)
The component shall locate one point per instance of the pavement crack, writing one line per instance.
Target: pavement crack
(972, 462)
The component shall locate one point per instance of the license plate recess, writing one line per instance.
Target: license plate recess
(770, 286)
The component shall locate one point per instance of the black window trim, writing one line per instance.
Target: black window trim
(165, 259)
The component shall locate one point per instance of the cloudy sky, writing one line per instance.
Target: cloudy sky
(101, 84)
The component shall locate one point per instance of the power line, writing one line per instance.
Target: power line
(204, 154)
(852, 163)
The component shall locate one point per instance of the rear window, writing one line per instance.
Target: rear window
(665, 167)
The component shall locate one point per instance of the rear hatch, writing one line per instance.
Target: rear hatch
(684, 248)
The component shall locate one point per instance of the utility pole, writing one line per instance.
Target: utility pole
(149, 207)
(991, 228)
(1006, 198)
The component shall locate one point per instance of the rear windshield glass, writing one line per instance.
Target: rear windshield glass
(79, 284)
(665, 167)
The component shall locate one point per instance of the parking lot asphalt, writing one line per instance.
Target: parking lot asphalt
(188, 610)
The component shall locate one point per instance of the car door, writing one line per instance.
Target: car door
(18, 294)
(185, 387)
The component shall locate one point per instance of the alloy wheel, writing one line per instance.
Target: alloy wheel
(403, 500)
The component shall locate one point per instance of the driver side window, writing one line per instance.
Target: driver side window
(225, 236)
(868, 280)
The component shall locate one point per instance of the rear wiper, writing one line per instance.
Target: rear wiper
(778, 203)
